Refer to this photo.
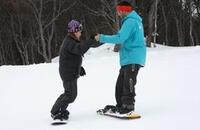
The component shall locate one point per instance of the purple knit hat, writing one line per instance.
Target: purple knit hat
(74, 26)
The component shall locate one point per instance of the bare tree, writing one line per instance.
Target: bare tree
(196, 18)
(197, 6)
(46, 25)
(19, 39)
(152, 22)
(31, 31)
(191, 12)
(177, 15)
(1, 52)
(155, 21)
(165, 21)
(108, 12)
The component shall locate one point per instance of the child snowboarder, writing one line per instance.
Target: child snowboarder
(70, 68)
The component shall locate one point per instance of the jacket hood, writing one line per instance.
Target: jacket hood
(132, 15)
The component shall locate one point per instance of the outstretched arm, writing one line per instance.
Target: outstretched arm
(79, 48)
(126, 30)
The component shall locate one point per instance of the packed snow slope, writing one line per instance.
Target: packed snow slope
(167, 90)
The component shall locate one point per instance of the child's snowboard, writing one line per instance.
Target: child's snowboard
(110, 110)
(59, 122)
(60, 118)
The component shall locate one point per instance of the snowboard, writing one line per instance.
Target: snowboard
(110, 111)
(59, 122)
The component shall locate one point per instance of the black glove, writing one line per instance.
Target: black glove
(95, 43)
(82, 72)
(92, 37)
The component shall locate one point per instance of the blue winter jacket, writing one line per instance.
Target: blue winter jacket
(131, 38)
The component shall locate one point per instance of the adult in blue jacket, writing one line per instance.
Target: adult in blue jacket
(132, 55)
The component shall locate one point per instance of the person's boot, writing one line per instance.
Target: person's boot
(125, 108)
(64, 115)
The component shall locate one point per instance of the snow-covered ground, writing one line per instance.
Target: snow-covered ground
(167, 93)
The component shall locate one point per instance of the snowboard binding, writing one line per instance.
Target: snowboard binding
(110, 108)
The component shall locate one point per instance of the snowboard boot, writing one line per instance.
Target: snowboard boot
(110, 108)
(107, 108)
(125, 108)
(64, 115)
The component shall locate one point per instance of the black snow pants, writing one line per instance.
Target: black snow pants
(69, 95)
(125, 86)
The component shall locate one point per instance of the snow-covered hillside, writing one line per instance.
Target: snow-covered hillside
(167, 93)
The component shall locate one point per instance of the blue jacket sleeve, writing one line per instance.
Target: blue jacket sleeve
(123, 34)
